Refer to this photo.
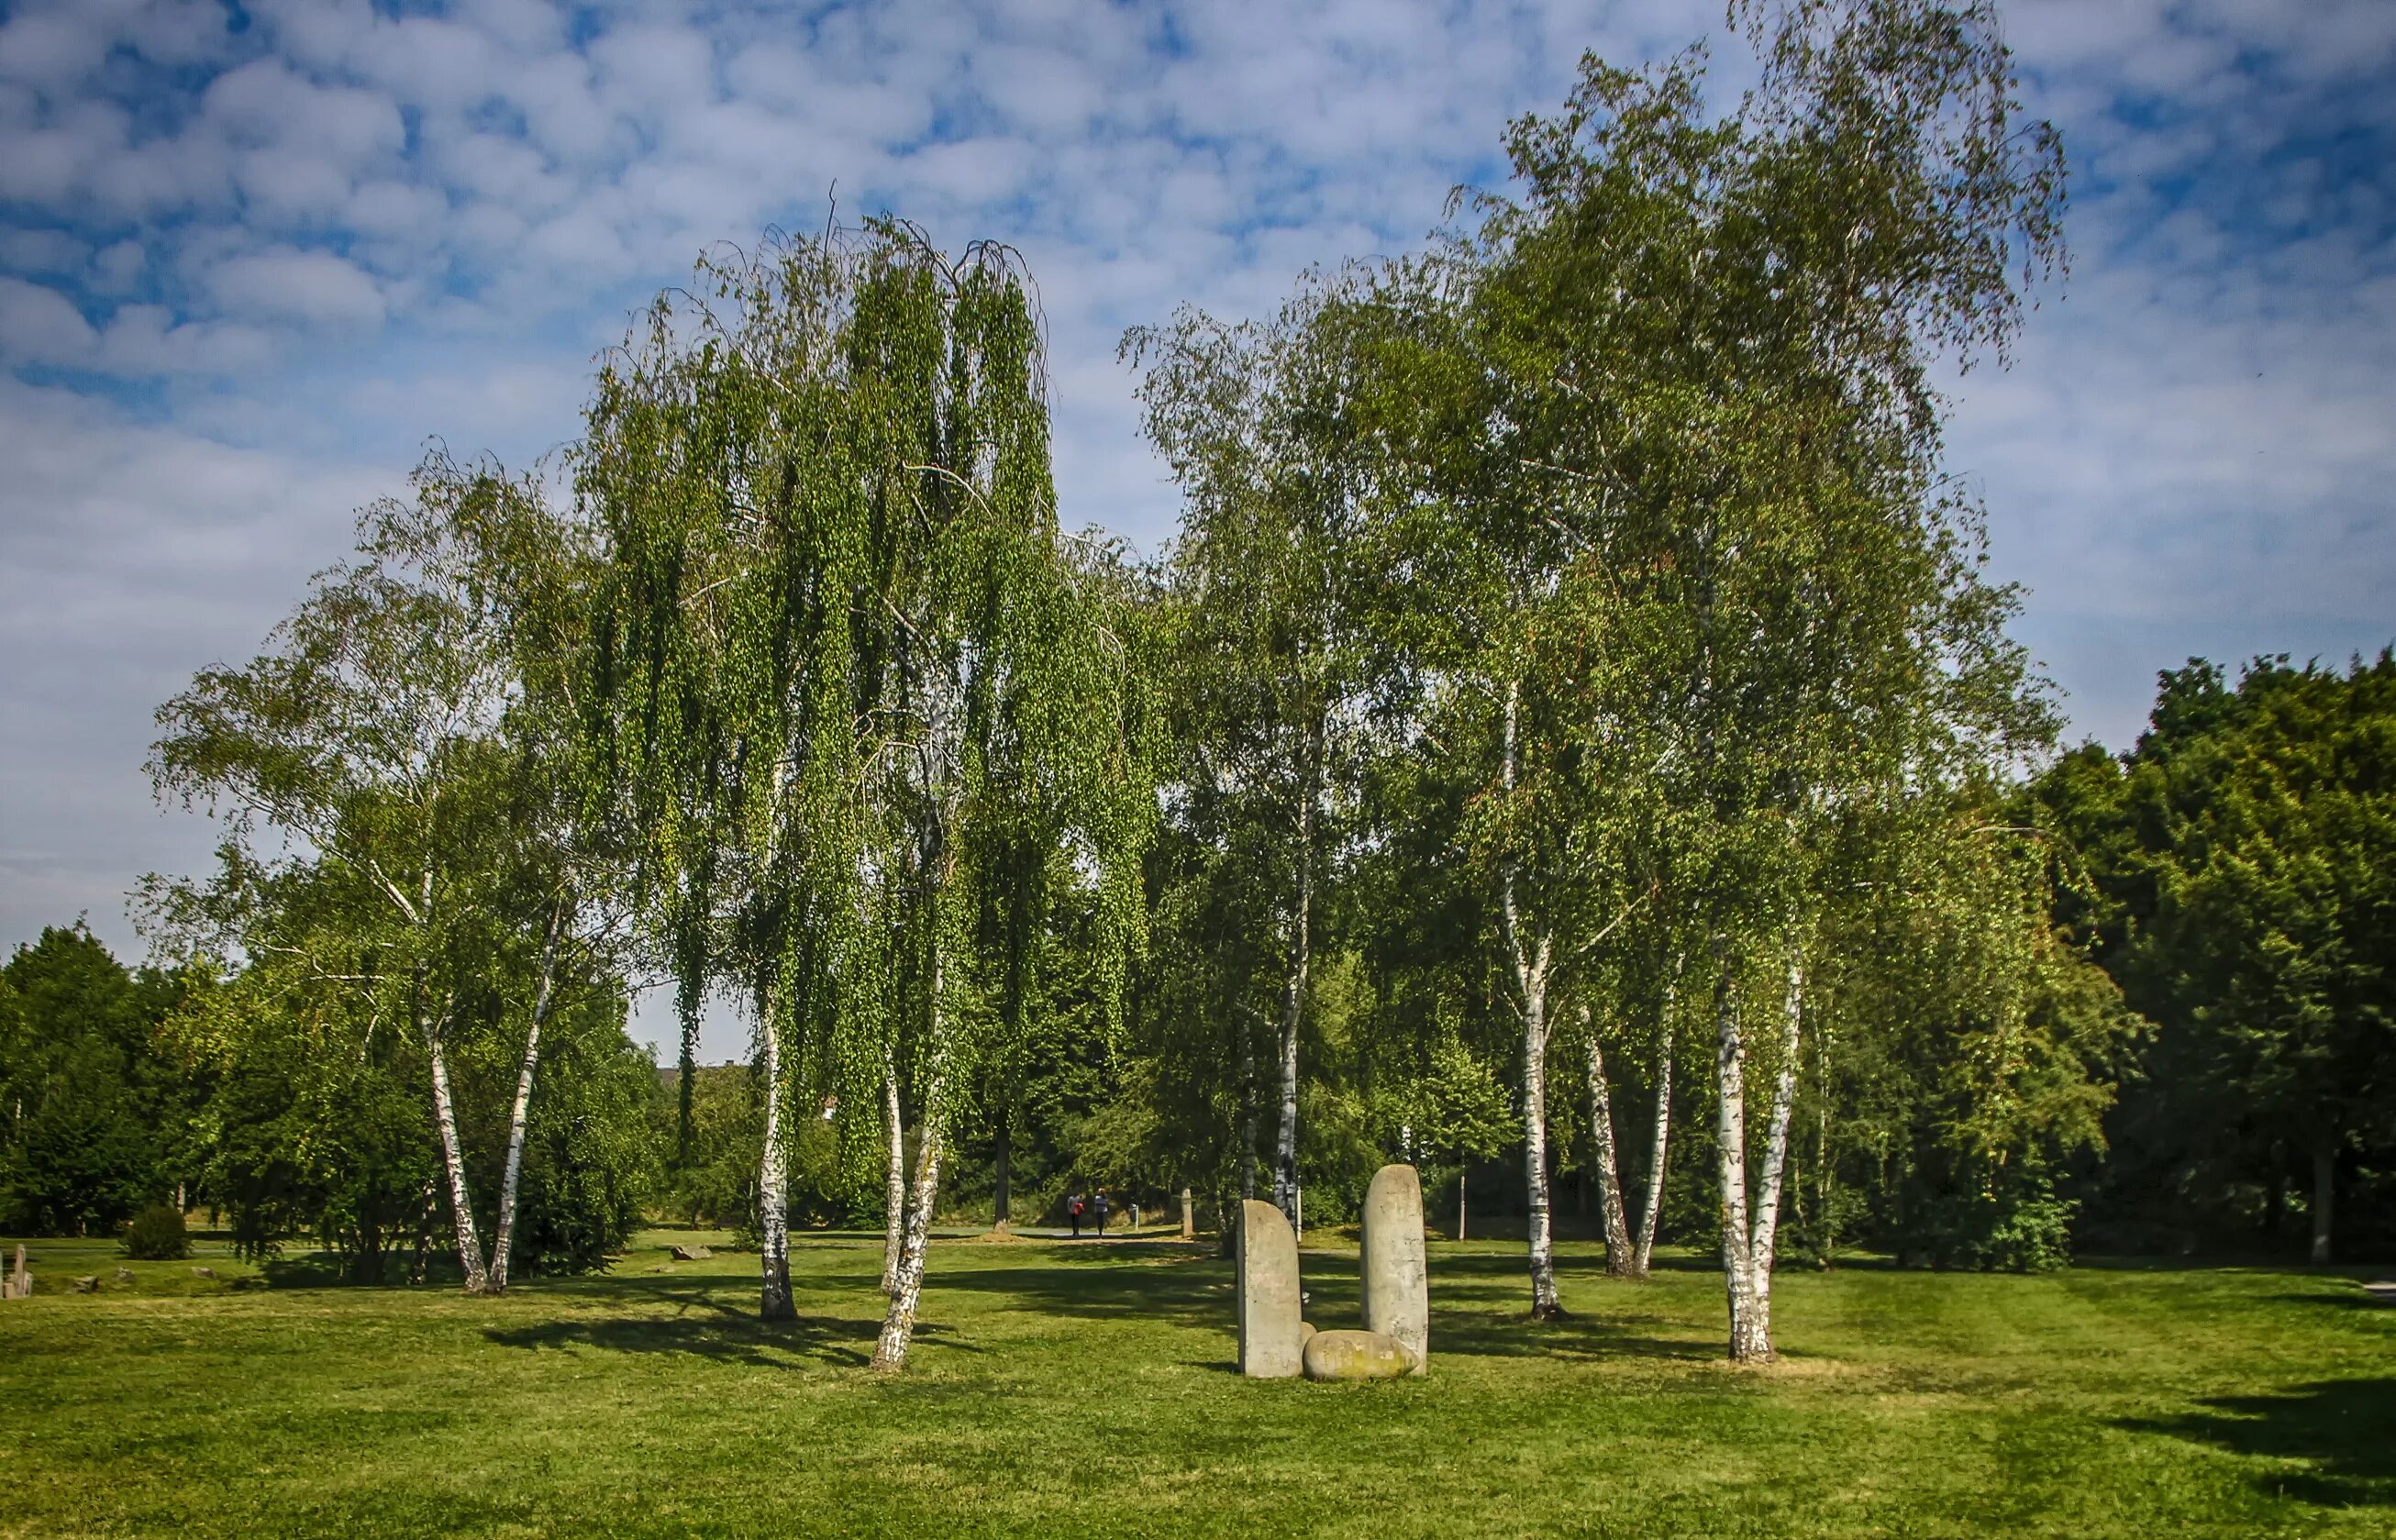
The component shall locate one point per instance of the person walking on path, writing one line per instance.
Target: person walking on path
(1073, 1212)
(1102, 1213)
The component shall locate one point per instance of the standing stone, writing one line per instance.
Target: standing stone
(1269, 1302)
(1189, 1223)
(19, 1284)
(1395, 1282)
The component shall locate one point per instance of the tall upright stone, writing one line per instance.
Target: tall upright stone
(1189, 1220)
(1396, 1283)
(1269, 1346)
(20, 1284)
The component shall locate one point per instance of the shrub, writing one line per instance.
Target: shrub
(157, 1235)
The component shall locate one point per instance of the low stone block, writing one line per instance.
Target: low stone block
(204, 1272)
(691, 1253)
(1269, 1334)
(125, 1275)
(1356, 1356)
(89, 1284)
(1394, 1274)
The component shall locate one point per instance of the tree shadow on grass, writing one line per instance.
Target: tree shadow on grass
(760, 1344)
(2345, 1429)
(708, 1325)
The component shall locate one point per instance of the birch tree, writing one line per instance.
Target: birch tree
(852, 661)
(393, 729)
(1708, 341)
(1253, 419)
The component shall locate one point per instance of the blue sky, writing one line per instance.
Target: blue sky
(252, 258)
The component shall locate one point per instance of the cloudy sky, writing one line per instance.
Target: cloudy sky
(253, 256)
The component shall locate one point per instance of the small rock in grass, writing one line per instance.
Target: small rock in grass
(204, 1272)
(690, 1254)
(87, 1284)
(1356, 1356)
(125, 1275)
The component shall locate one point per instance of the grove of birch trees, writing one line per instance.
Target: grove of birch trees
(1571, 736)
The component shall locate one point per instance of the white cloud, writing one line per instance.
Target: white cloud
(41, 326)
(284, 283)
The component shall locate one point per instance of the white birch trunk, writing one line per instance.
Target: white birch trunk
(1748, 1239)
(894, 1184)
(503, 1238)
(1604, 1161)
(1647, 1215)
(1544, 1303)
(773, 1190)
(1775, 1144)
(1531, 978)
(1749, 1335)
(1294, 1004)
(898, 1322)
(1247, 1107)
(453, 1163)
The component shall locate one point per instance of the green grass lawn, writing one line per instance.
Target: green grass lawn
(1088, 1390)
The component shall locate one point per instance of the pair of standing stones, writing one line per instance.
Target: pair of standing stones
(1275, 1341)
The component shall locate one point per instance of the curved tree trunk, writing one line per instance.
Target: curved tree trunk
(1620, 1259)
(503, 1238)
(1292, 1010)
(899, 1323)
(1644, 1249)
(453, 1163)
(894, 1181)
(907, 1291)
(1661, 1141)
(773, 1193)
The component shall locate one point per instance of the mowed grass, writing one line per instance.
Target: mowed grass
(1061, 1388)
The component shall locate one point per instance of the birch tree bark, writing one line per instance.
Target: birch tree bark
(1531, 961)
(1668, 1035)
(894, 1184)
(503, 1238)
(773, 1190)
(1294, 991)
(1604, 1161)
(453, 1161)
(1749, 1236)
(907, 1290)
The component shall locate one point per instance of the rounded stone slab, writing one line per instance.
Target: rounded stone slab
(1269, 1334)
(1396, 1283)
(1356, 1356)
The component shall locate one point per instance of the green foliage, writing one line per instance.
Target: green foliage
(855, 681)
(2232, 871)
(87, 1114)
(157, 1235)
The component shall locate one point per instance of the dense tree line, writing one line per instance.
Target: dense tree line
(1571, 745)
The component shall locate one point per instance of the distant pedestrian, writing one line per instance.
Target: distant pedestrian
(1073, 1212)
(1102, 1211)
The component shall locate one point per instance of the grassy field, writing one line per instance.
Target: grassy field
(1087, 1389)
